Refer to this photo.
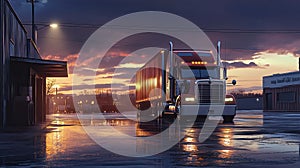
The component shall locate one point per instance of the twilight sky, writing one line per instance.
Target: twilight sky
(259, 37)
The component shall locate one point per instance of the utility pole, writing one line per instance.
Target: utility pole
(33, 27)
(32, 21)
(2, 66)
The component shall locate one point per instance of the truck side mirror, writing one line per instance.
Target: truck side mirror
(225, 73)
(233, 82)
(27, 99)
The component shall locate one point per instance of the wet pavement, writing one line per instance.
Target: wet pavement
(255, 139)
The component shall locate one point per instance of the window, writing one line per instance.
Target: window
(11, 48)
(201, 73)
(185, 54)
(286, 97)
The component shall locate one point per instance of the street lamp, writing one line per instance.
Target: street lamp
(54, 25)
(38, 27)
(56, 89)
(34, 28)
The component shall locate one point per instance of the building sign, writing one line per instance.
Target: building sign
(281, 80)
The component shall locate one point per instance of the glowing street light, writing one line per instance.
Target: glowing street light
(43, 26)
(39, 27)
(54, 25)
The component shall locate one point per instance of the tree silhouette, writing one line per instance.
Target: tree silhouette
(49, 86)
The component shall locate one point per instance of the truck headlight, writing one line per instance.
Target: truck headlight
(230, 100)
(189, 99)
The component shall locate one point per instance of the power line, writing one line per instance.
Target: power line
(139, 27)
(128, 45)
(254, 31)
(95, 26)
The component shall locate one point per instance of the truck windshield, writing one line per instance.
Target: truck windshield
(199, 73)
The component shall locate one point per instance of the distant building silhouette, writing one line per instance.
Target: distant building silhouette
(282, 92)
(249, 101)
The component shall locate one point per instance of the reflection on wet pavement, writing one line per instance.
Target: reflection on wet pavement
(253, 140)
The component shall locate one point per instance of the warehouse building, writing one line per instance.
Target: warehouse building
(22, 73)
(281, 92)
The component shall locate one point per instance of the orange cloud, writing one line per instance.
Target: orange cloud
(71, 60)
(53, 57)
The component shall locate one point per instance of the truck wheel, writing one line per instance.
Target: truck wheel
(228, 119)
(138, 116)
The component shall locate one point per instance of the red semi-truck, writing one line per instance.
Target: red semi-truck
(183, 82)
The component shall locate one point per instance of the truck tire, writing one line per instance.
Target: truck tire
(138, 116)
(178, 105)
(228, 119)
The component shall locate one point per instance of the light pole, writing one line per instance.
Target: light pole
(56, 89)
(33, 28)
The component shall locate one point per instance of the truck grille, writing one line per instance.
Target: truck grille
(211, 94)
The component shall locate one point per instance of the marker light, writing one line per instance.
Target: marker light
(189, 99)
(199, 63)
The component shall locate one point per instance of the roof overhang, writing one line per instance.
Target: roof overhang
(48, 68)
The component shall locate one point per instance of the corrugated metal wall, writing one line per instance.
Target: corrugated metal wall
(277, 105)
(149, 78)
(15, 40)
(2, 110)
(13, 43)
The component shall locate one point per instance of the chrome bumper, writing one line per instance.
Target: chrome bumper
(208, 110)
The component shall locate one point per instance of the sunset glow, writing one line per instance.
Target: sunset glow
(249, 79)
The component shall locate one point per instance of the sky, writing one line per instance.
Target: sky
(259, 37)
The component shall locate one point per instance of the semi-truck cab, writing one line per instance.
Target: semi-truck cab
(185, 82)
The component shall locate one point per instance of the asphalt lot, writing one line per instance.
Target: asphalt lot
(255, 139)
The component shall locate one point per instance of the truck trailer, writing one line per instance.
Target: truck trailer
(185, 82)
